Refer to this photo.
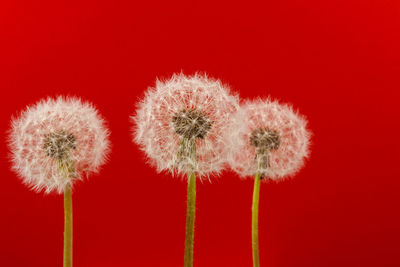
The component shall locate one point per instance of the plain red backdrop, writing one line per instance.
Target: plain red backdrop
(337, 61)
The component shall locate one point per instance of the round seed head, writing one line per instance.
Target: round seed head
(57, 142)
(180, 124)
(269, 138)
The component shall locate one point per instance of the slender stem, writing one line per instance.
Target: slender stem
(254, 223)
(190, 214)
(68, 226)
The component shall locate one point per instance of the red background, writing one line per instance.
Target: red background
(336, 61)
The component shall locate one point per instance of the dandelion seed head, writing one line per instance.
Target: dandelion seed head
(267, 137)
(180, 124)
(56, 142)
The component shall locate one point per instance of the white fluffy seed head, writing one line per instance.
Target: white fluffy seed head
(267, 137)
(180, 124)
(56, 142)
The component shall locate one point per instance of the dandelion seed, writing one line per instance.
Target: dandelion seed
(267, 139)
(55, 143)
(180, 125)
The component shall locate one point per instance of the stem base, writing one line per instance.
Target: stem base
(190, 214)
(254, 220)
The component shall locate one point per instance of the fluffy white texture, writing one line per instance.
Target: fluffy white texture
(267, 114)
(154, 131)
(27, 138)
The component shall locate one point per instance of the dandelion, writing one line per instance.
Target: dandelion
(267, 140)
(180, 125)
(54, 144)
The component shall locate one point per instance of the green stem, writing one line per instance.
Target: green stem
(254, 223)
(68, 227)
(190, 214)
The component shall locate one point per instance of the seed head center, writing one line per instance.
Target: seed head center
(265, 139)
(191, 124)
(58, 144)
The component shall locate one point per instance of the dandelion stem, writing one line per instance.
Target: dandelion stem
(254, 225)
(190, 214)
(68, 226)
